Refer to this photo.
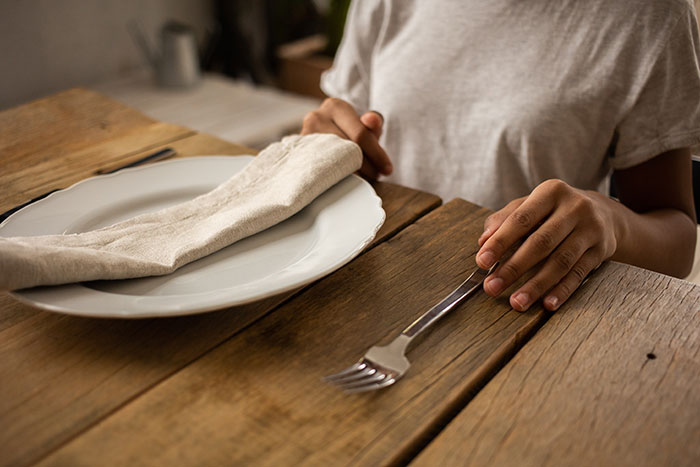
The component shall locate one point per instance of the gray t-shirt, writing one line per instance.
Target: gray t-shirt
(484, 100)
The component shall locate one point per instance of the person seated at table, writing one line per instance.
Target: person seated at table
(527, 107)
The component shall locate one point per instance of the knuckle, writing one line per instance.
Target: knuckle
(536, 286)
(523, 218)
(554, 185)
(312, 119)
(579, 272)
(497, 244)
(566, 288)
(583, 205)
(332, 103)
(509, 271)
(564, 259)
(543, 241)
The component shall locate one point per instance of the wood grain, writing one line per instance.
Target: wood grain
(610, 380)
(54, 142)
(71, 120)
(257, 398)
(59, 375)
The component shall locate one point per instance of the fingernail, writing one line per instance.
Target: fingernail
(494, 285)
(522, 300)
(551, 302)
(487, 258)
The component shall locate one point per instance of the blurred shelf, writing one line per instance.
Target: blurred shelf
(231, 109)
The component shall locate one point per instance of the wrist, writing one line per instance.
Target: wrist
(616, 217)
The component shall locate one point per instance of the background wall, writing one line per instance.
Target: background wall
(47, 45)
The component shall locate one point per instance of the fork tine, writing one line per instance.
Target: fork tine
(374, 377)
(372, 386)
(360, 374)
(361, 365)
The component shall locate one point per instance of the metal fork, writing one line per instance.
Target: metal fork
(383, 365)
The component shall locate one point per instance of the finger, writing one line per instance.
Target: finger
(374, 121)
(551, 275)
(551, 235)
(572, 281)
(495, 220)
(368, 171)
(318, 122)
(516, 225)
(346, 119)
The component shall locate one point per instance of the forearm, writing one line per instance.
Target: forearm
(662, 240)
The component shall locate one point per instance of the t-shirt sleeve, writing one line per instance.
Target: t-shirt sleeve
(666, 113)
(349, 77)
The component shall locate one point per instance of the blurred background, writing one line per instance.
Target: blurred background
(258, 62)
(246, 71)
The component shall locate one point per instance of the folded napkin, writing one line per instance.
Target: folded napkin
(280, 181)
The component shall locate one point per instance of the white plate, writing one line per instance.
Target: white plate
(325, 235)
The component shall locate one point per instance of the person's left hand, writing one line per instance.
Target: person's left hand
(570, 231)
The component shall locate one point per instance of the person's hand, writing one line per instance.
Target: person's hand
(338, 117)
(570, 231)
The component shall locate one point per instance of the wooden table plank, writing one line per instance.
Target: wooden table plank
(59, 375)
(59, 140)
(71, 120)
(611, 379)
(257, 397)
(13, 312)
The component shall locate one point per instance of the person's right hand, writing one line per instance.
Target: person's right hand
(339, 117)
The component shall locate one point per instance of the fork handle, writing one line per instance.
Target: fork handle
(465, 289)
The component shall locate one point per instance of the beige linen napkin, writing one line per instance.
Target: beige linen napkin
(280, 181)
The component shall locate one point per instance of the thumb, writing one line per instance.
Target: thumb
(374, 121)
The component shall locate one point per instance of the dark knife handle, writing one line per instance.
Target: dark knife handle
(156, 156)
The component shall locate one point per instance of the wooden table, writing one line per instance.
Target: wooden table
(613, 378)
